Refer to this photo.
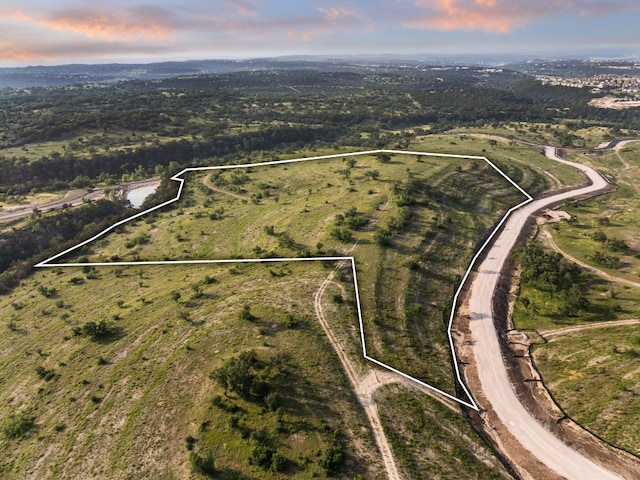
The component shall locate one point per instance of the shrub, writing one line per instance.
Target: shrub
(18, 425)
(262, 456)
(190, 442)
(290, 321)
(245, 313)
(47, 292)
(99, 331)
(202, 465)
(46, 374)
(341, 234)
(333, 456)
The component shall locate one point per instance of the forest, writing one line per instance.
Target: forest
(102, 133)
(82, 136)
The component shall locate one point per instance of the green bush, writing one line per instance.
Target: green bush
(18, 425)
(202, 465)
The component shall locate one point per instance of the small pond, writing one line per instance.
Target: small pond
(137, 196)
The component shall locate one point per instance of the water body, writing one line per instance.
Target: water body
(138, 195)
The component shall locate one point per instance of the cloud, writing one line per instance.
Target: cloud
(503, 16)
(10, 53)
(140, 22)
(241, 7)
(336, 15)
(81, 50)
(41, 29)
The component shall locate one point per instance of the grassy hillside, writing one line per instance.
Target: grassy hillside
(123, 402)
(594, 376)
(115, 372)
(415, 221)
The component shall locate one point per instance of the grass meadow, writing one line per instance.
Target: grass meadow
(106, 371)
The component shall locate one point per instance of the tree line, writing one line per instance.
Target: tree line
(44, 235)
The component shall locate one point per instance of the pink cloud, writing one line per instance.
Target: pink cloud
(335, 15)
(147, 23)
(502, 16)
(9, 53)
(241, 7)
(324, 21)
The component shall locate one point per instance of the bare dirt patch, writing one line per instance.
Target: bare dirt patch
(614, 103)
(553, 216)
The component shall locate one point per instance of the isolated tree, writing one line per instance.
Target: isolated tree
(238, 375)
(383, 157)
(599, 236)
(372, 174)
(245, 313)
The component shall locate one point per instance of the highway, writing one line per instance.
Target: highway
(73, 198)
(495, 384)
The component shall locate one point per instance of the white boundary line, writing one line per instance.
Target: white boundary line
(178, 178)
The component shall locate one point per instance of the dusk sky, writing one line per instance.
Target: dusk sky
(34, 32)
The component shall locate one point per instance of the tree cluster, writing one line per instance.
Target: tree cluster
(550, 272)
(44, 235)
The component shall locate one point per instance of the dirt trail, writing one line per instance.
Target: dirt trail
(558, 332)
(549, 239)
(366, 383)
(207, 182)
(364, 387)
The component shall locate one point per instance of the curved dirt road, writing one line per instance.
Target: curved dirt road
(548, 238)
(495, 383)
(558, 332)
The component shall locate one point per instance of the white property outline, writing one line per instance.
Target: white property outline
(177, 177)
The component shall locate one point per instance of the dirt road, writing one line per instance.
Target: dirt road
(494, 381)
(601, 273)
(364, 387)
(558, 332)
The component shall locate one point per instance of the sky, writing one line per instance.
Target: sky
(45, 32)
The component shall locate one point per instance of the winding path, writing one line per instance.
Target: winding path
(549, 239)
(494, 380)
(209, 184)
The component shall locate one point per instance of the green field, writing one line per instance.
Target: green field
(414, 221)
(577, 133)
(594, 376)
(603, 234)
(433, 441)
(124, 403)
(411, 222)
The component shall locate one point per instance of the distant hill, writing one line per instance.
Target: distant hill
(82, 74)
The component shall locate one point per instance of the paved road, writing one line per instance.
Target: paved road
(491, 368)
(73, 198)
